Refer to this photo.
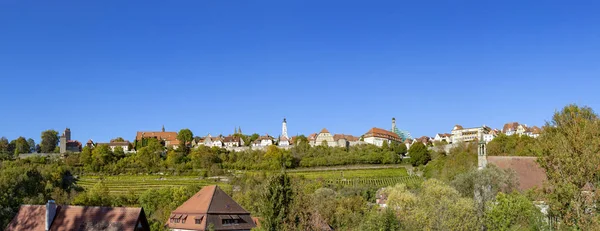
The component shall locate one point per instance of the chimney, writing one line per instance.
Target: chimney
(50, 213)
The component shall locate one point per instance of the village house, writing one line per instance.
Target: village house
(377, 136)
(515, 128)
(283, 141)
(425, 140)
(52, 217)
(168, 138)
(210, 207)
(446, 137)
(233, 141)
(460, 134)
(325, 138)
(125, 145)
(263, 141)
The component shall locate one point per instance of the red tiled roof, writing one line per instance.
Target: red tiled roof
(312, 136)
(536, 130)
(33, 217)
(324, 130)
(211, 205)
(458, 127)
(167, 136)
(228, 139)
(510, 126)
(382, 133)
(528, 171)
(349, 138)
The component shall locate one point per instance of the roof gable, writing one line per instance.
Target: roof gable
(33, 217)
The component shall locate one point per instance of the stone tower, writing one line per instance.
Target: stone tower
(67, 134)
(284, 129)
(393, 124)
(481, 152)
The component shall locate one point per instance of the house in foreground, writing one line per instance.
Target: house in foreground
(210, 208)
(52, 217)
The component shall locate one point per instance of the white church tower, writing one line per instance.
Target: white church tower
(284, 129)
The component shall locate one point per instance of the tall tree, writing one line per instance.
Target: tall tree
(31, 143)
(4, 145)
(570, 154)
(419, 155)
(277, 200)
(185, 137)
(21, 145)
(49, 141)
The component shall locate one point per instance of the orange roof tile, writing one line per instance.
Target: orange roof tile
(382, 133)
(324, 130)
(528, 171)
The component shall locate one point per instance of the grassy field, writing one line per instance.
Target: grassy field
(140, 183)
(349, 177)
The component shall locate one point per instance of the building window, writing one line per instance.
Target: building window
(198, 221)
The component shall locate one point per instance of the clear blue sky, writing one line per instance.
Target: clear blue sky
(111, 68)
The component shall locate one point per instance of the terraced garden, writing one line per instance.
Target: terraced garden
(138, 184)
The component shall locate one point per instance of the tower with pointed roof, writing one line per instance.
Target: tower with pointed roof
(163, 128)
(284, 129)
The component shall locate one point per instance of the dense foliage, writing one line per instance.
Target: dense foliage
(570, 153)
(513, 145)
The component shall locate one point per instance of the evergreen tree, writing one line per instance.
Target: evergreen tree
(277, 201)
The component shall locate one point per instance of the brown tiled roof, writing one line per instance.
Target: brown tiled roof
(283, 138)
(324, 130)
(510, 126)
(228, 139)
(168, 136)
(382, 133)
(408, 141)
(312, 136)
(458, 127)
(528, 171)
(536, 130)
(33, 217)
(73, 143)
(349, 138)
(210, 205)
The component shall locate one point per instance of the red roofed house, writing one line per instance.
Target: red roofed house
(58, 218)
(324, 137)
(377, 136)
(210, 207)
(170, 138)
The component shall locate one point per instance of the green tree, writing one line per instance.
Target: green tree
(385, 146)
(31, 144)
(185, 137)
(85, 157)
(277, 200)
(118, 139)
(101, 156)
(380, 221)
(419, 155)
(4, 149)
(513, 212)
(21, 146)
(569, 148)
(49, 141)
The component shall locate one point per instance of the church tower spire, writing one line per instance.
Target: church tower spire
(163, 128)
(284, 129)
